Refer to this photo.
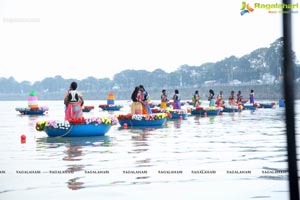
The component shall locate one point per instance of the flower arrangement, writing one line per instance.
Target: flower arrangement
(41, 125)
(156, 116)
(156, 110)
(177, 111)
(208, 108)
(124, 117)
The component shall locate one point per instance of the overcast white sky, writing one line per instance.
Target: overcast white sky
(81, 38)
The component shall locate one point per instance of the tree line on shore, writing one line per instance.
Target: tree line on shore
(260, 70)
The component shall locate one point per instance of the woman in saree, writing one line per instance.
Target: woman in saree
(74, 102)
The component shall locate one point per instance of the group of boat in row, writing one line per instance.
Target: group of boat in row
(97, 126)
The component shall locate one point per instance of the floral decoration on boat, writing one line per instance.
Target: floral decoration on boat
(41, 125)
(142, 117)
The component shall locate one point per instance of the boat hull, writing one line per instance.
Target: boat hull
(86, 110)
(111, 108)
(249, 107)
(208, 112)
(177, 116)
(266, 105)
(81, 130)
(32, 112)
(158, 122)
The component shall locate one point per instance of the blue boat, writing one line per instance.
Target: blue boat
(231, 109)
(110, 107)
(28, 111)
(249, 107)
(208, 112)
(266, 105)
(134, 122)
(79, 130)
(177, 115)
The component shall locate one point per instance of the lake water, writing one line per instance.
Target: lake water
(231, 156)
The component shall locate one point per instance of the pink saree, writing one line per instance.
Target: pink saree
(73, 111)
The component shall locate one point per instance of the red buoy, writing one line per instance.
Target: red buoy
(125, 125)
(23, 139)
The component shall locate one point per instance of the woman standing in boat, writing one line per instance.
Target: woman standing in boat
(231, 100)
(136, 97)
(164, 99)
(74, 102)
(146, 106)
(211, 98)
(196, 99)
(251, 96)
(219, 100)
(176, 99)
(239, 97)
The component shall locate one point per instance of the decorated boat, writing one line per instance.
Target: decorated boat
(110, 106)
(97, 126)
(170, 104)
(87, 108)
(173, 113)
(251, 107)
(33, 107)
(32, 111)
(208, 111)
(230, 108)
(178, 114)
(266, 105)
(157, 119)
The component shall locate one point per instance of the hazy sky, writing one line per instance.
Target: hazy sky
(81, 38)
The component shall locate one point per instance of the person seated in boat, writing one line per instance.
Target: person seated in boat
(211, 98)
(74, 102)
(136, 97)
(231, 100)
(196, 99)
(145, 101)
(219, 99)
(176, 100)
(164, 99)
(239, 97)
(251, 96)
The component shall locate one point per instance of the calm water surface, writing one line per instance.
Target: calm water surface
(249, 143)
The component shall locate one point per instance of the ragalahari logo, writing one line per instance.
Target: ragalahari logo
(246, 8)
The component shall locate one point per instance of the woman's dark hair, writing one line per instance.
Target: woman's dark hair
(176, 91)
(163, 91)
(252, 91)
(73, 86)
(212, 92)
(134, 94)
(142, 87)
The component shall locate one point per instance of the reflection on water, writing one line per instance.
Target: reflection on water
(177, 123)
(75, 183)
(248, 140)
(73, 153)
